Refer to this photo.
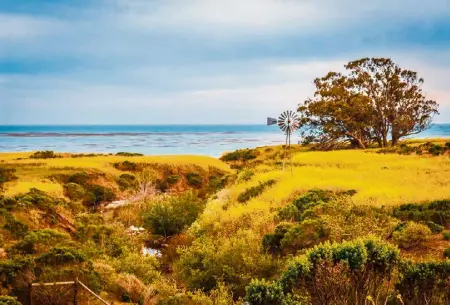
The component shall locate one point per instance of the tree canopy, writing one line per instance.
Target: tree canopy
(374, 100)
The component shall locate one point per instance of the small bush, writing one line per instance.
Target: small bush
(45, 154)
(172, 179)
(128, 154)
(194, 179)
(446, 235)
(447, 145)
(272, 242)
(126, 166)
(79, 178)
(435, 228)
(14, 226)
(412, 235)
(6, 300)
(289, 212)
(97, 194)
(6, 175)
(246, 175)
(74, 191)
(255, 191)
(447, 253)
(172, 215)
(240, 155)
(127, 181)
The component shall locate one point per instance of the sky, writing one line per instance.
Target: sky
(202, 61)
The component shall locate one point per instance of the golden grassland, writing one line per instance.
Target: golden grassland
(35, 172)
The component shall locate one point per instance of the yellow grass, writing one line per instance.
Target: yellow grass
(379, 179)
(35, 172)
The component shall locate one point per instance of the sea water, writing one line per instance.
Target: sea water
(211, 140)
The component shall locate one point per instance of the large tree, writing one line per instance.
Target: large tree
(374, 100)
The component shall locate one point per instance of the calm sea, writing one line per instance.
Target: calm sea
(210, 140)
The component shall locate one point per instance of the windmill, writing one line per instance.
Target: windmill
(288, 122)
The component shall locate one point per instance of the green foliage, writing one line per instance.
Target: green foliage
(38, 199)
(255, 191)
(436, 211)
(62, 255)
(435, 228)
(127, 166)
(14, 226)
(143, 267)
(6, 175)
(411, 235)
(303, 235)
(37, 241)
(44, 154)
(194, 179)
(447, 253)
(425, 281)
(272, 242)
(128, 154)
(240, 155)
(172, 179)
(245, 175)
(446, 235)
(336, 272)
(97, 194)
(261, 292)
(290, 213)
(74, 191)
(127, 181)
(6, 300)
(173, 214)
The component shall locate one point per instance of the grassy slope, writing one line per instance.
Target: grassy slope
(35, 172)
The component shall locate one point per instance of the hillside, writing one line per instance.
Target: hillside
(221, 232)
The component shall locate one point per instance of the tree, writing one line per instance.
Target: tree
(375, 99)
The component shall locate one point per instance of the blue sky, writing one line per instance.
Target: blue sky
(209, 61)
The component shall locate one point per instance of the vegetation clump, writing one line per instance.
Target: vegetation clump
(255, 191)
(128, 154)
(6, 175)
(240, 155)
(44, 154)
(411, 235)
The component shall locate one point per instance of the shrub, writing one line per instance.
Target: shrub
(304, 235)
(447, 145)
(246, 175)
(74, 191)
(261, 292)
(435, 228)
(6, 175)
(272, 242)
(45, 154)
(447, 253)
(436, 150)
(425, 281)
(289, 212)
(126, 166)
(412, 235)
(37, 241)
(97, 194)
(446, 235)
(436, 211)
(128, 154)
(240, 155)
(6, 300)
(127, 181)
(14, 226)
(172, 215)
(62, 255)
(194, 179)
(172, 179)
(255, 191)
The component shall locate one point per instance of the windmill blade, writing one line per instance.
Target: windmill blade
(271, 121)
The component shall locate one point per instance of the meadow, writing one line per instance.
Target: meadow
(239, 228)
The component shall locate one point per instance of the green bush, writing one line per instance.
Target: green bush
(36, 241)
(289, 212)
(6, 175)
(447, 253)
(6, 300)
(303, 235)
(446, 235)
(272, 242)
(447, 145)
(172, 215)
(127, 181)
(435, 228)
(194, 179)
(97, 194)
(14, 226)
(240, 155)
(128, 154)
(246, 175)
(62, 255)
(436, 211)
(255, 191)
(425, 281)
(74, 191)
(411, 235)
(436, 150)
(82, 178)
(126, 166)
(172, 179)
(45, 154)
(261, 292)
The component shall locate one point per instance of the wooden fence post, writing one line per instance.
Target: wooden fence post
(75, 292)
(30, 297)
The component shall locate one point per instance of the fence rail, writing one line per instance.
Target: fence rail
(75, 284)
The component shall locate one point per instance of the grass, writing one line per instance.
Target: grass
(35, 173)
(379, 179)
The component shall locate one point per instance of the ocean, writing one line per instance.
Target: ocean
(211, 140)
